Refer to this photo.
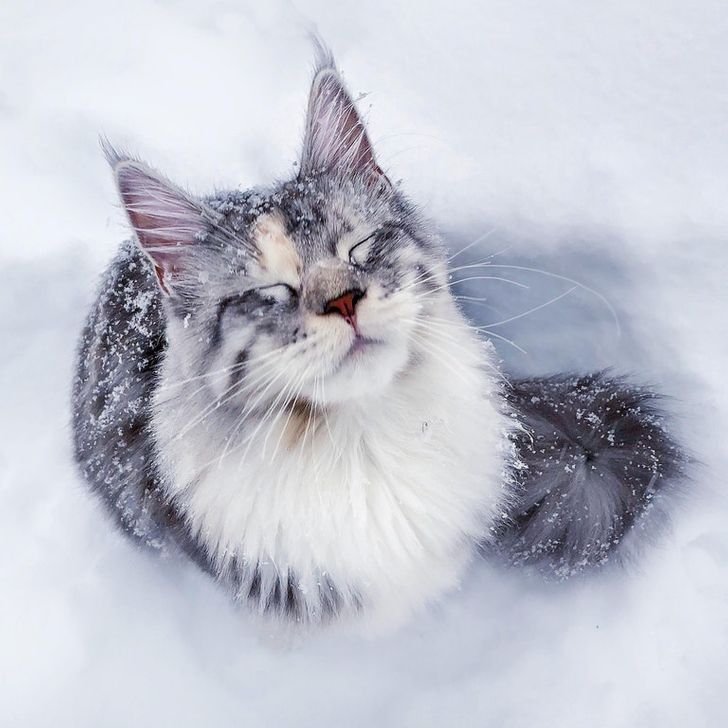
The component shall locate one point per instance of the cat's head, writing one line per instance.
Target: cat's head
(323, 288)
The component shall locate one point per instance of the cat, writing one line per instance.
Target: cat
(280, 385)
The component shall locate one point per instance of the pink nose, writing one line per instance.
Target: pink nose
(345, 306)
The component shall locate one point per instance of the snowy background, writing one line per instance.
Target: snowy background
(589, 140)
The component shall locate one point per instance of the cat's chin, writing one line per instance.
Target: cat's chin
(369, 368)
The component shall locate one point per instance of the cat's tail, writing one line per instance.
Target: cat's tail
(598, 458)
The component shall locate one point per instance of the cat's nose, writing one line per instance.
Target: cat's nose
(345, 306)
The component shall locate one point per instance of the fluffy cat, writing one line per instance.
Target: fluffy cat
(279, 384)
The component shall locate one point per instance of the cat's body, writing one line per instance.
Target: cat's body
(282, 387)
(378, 504)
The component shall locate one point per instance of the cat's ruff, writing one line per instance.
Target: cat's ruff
(379, 500)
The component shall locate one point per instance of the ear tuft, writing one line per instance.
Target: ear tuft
(323, 57)
(114, 154)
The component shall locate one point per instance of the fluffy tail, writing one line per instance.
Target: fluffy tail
(597, 457)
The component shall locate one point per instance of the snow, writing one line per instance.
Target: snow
(587, 139)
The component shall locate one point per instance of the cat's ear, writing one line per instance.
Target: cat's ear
(335, 137)
(166, 220)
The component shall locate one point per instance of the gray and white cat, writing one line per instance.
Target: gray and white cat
(279, 384)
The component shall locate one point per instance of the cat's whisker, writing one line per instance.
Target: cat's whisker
(250, 407)
(230, 450)
(240, 387)
(507, 341)
(487, 264)
(233, 370)
(477, 330)
(480, 301)
(289, 393)
(279, 406)
(274, 404)
(181, 382)
(484, 263)
(481, 238)
(475, 299)
(449, 283)
(218, 459)
(326, 416)
(488, 327)
(458, 281)
(448, 339)
(314, 413)
(428, 276)
(577, 283)
(290, 405)
(443, 355)
(305, 433)
(271, 409)
(234, 390)
(230, 370)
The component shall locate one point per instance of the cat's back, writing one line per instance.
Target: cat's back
(120, 350)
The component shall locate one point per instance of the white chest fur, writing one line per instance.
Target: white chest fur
(383, 503)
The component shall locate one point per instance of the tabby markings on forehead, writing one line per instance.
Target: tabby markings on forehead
(279, 261)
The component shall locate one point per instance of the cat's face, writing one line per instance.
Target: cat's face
(320, 289)
(331, 306)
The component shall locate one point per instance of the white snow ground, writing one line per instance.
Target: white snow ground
(590, 137)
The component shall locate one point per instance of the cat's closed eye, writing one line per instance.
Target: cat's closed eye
(359, 253)
(277, 292)
(256, 299)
